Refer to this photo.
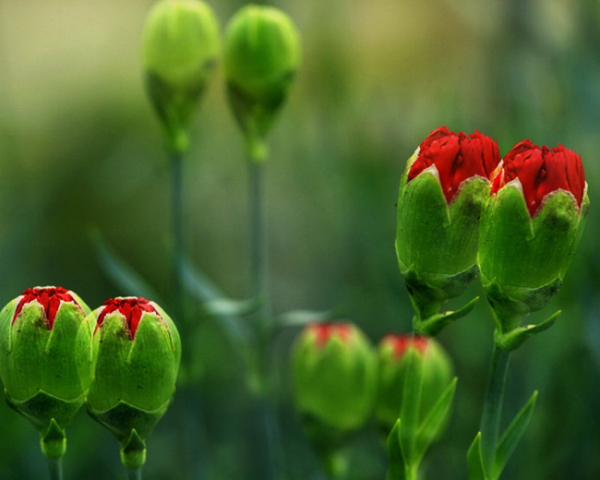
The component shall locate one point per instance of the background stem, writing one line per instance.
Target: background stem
(55, 468)
(134, 473)
(177, 226)
(492, 407)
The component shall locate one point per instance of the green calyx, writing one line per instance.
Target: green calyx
(523, 260)
(46, 372)
(262, 55)
(180, 50)
(391, 379)
(436, 242)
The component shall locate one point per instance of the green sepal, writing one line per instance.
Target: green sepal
(124, 417)
(434, 325)
(436, 420)
(53, 441)
(396, 467)
(515, 338)
(512, 435)
(475, 460)
(133, 451)
(411, 406)
(42, 409)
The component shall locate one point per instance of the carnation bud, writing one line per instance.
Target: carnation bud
(442, 190)
(262, 54)
(136, 353)
(530, 229)
(334, 377)
(46, 360)
(180, 50)
(391, 376)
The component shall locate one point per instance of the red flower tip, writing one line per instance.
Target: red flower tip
(541, 171)
(323, 332)
(132, 308)
(457, 158)
(401, 343)
(50, 298)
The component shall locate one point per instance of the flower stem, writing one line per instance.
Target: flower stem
(134, 473)
(492, 408)
(55, 468)
(177, 226)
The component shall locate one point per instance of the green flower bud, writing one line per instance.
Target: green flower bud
(334, 376)
(441, 193)
(530, 229)
(262, 55)
(46, 360)
(391, 376)
(136, 358)
(180, 49)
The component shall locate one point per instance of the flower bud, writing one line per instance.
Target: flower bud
(46, 360)
(262, 54)
(136, 356)
(391, 376)
(180, 49)
(442, 190)
(530, 228)
(334, 377)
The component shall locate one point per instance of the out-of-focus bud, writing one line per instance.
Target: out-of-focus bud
(443, 187)
(46, 360)
(391, 376)
(262, 55)
(136, 356)
(530, 229)
(180, 49)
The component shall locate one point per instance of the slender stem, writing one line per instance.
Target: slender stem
(492, 408)
(177, 226)
(55, 468)
(134, 473)
(411, 472)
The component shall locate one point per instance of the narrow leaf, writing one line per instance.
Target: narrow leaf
(396, 462)
(411, 405)
(518, 336)
(512, 435)
(435, 420)
(299, 318)
(475, 461)
(434, 325)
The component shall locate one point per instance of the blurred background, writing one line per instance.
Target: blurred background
(81, 155)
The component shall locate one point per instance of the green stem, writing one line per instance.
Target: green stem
(492, 408)
(55, 468)
(335, 465)
(411, 472)
(134, 473)
(177, 226)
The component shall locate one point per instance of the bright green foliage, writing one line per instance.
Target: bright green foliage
(180, 52)
(436, 242)
(523, 260)
(134, 379)
(391, 376)
(262, 55)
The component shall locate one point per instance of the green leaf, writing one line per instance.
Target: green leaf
(120, 272)
(514, 339)
(227, 307)
(512, 435)
(434, 325)
(475, 461)
(411, 406)
(299, 318)
(396, 462)
(435, 420)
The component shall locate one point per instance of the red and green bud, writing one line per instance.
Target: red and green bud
(46, 360)
(530, 229)
(262, 55)
(442, 190)
(136, 358)
(392, 371)
(180, 49)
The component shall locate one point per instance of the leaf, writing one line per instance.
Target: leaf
(411, 406)
(475, 460)
(396, 462)
(299, 318)
(514, 339)
(434, 325)
(435, 420)
(512, 435)
(228, 307)
(120, 272)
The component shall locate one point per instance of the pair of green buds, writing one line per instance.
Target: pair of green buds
(340, 383)
(181, 50)
(121, 359)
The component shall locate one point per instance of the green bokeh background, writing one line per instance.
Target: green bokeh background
(80, 149)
